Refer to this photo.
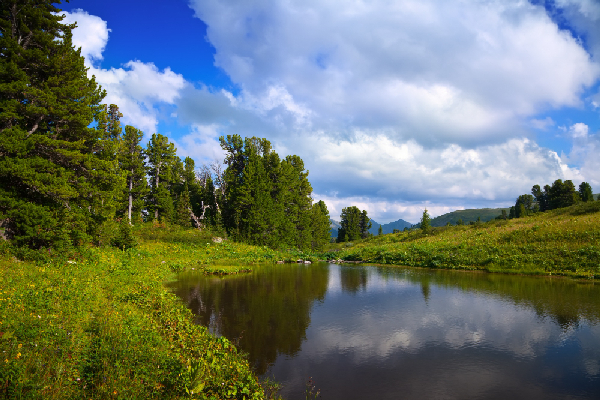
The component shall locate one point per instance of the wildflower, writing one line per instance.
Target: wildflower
(18, 355)
(20, 345)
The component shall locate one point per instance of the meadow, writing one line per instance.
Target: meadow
(98, 323)
(564, 242)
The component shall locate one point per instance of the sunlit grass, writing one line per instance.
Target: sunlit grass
(564, 242)
(103, 325)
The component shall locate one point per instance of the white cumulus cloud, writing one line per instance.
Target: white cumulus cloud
(433, 71)
(137, 88)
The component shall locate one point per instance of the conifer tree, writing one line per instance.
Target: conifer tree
(161, 160)
(194, 188)
(425, 222)
(365, 224)
(54, 184)
(133, 164)
(320, 225)
(585, 192)
(183, 214)
(350, 224)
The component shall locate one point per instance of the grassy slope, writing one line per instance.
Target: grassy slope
(564, 242)
(467, 216)
(104, 326)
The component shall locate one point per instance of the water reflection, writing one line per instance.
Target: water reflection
(266, 312)
(382, 332)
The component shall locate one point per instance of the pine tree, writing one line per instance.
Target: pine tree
(54, 183)
(350, 224)
(425, 222)
(133, 164)
(380, 230)
(183, 214)
(585, 192)
(365, 224)
(161, 159)
(320, 226)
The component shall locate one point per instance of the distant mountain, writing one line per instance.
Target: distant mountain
(387, 228)
(334, 225)
(486, 214)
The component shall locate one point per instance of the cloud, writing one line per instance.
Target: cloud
(138, 88)
(91, 34)
(388, 178)
(432, 71)
(579, 130)
(542, 124)
(584, 154)
(393, 106)
(201, 144)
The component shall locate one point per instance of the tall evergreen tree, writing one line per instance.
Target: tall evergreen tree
(365, 224)
(425, 222)
(194, 188)
(350, 224)
(133, 163)
(321, 231)
(562, 194)
(161, 160)
(585, 192)
(184, 209)
(54, 184)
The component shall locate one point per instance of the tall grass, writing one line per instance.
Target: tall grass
(100, 323)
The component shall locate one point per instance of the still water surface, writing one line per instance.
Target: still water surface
(397, 333)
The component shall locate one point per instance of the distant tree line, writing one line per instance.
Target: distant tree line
(68, 168)
(560, 194)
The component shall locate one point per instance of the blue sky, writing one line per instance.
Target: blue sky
(393, 106)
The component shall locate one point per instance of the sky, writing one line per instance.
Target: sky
(394, 105)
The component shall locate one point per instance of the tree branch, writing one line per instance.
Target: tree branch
(35, 126)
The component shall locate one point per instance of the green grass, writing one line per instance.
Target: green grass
(100, 323)
(560, 242)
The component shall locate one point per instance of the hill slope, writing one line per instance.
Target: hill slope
(564, 241)
(486, 214)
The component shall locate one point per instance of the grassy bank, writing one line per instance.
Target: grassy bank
(559, 242)
(100, 323)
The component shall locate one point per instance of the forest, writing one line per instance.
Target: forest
(69, 170)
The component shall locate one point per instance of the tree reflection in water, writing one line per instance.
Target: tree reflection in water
(265, 312)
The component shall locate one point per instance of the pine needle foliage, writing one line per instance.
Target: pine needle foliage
(56, 185)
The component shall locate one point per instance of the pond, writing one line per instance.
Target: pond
(402, 333)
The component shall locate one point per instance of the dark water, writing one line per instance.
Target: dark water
(396, 333)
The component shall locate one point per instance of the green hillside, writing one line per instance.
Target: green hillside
(486, 214)
(563, 241)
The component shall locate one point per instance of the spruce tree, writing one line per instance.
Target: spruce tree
(54, 183)
(320, 225)
(133, 164)
(425, 222)
(585, 192)
(350, 224)
(184, 209)
(161, 160)
(365, 224)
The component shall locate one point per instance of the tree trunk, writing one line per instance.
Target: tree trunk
(130, 196)
(156, 186)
